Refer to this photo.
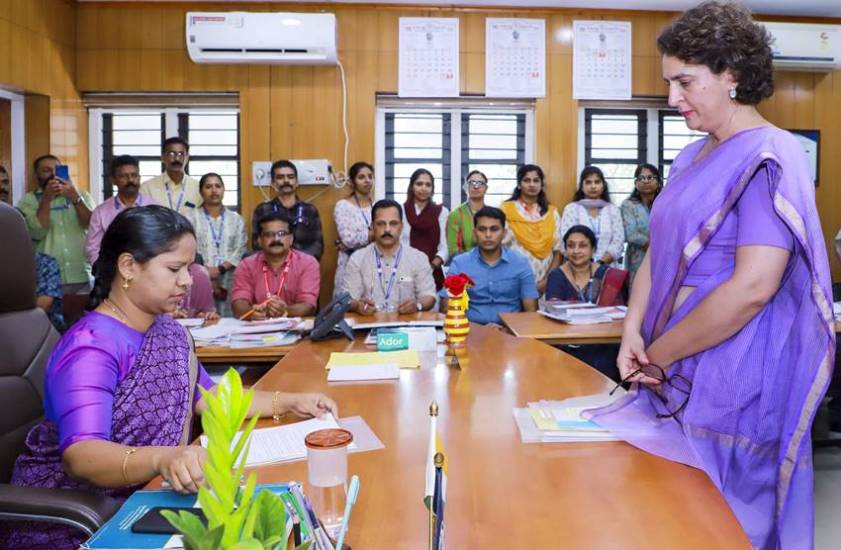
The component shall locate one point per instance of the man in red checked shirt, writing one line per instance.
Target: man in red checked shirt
(277, 281)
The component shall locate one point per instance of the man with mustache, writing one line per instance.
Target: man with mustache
(125, 174)
(278, 280)
(306, 223)
(388, 276)
(174, 188)
(57, 217)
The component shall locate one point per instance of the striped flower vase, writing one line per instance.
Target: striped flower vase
(456, 325)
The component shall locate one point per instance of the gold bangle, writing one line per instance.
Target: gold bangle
(129, 452)
(275, 412)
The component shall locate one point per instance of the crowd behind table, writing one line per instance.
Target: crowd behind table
(714, 268)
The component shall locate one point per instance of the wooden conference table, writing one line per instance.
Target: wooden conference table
(540, 327)
(502, 493)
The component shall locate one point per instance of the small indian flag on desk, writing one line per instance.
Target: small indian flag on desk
(436, 482)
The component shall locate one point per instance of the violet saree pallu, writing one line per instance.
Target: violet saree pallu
(151, 405)
(753, 396)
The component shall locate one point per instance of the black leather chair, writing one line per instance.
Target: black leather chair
(27, 337)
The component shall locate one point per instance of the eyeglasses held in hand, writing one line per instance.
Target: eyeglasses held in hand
(279, 234)
(680, 383)
(646, 178)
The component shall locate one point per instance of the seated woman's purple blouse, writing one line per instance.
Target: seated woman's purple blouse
(86, 366)
(753, 222)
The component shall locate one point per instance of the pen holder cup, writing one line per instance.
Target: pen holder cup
(327, 475)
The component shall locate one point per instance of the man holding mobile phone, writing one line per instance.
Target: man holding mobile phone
(57, 216)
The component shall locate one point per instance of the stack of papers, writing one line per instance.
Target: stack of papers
(248, 334)
(282, 443)
(405, 359)
(584, 314)
(349, 373)
(561, 421)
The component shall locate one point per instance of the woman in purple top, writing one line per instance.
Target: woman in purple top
(120, 388)
(729, 333)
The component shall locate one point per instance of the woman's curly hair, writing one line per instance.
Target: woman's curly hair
(722, 35)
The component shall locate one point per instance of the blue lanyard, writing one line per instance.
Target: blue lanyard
(392, 278)
(217, 239)
(177, 207)
(299, 211)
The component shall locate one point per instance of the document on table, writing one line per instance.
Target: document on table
(282, 443)
(354, 373)
(405, 359)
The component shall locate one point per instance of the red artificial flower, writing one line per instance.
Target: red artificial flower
(457, 283)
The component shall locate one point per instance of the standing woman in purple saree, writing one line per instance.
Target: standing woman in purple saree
(120, 386)
(729, 337)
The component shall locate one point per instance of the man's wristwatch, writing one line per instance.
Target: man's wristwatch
(419, 306)
(77, 200)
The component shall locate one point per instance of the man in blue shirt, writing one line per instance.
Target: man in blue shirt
(503, 277)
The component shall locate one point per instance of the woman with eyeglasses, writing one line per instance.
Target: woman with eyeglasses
(591, 206)
(534, 225)
(460, 221)
(352, 216)
(635, 209)
(729, 339)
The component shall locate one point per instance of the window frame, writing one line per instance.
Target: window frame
(174, 123)
(456, 108)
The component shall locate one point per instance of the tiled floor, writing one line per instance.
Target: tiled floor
(828, 498)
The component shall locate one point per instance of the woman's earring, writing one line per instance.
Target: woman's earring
(732, 93)
(126, 284)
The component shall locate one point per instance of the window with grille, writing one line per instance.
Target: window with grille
(615, 141)
(618, 140)
(673, 137)
(213, 135)
(451, 143)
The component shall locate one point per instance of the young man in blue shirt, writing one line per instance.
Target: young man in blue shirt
(503, 277)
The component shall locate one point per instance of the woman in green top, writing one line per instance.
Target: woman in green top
(460, 221)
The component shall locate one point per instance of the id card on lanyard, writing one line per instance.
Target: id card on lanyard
(281, 281)
(387, 290)
(177, 206)
(217, 238)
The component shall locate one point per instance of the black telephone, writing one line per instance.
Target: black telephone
(330, 321)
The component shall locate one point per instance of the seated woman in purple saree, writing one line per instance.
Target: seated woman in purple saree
(120, 388)
(737, 403)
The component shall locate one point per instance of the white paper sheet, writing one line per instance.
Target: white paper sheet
(429, 57)
(282, 443)
(515, 59)
(601, 60)
(363, 372)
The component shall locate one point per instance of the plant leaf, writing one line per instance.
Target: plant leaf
(250, 544)
(271, 516)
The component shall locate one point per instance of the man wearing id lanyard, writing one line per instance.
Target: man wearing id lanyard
(125, 174)
(387, 275)
(306, 223)
(174, 188)
(57, 217)
(278, 280)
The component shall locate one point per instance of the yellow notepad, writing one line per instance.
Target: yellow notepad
(405, 359)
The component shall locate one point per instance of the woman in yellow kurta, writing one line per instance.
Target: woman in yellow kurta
(534, 225)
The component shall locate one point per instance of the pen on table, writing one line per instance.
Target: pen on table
(352, 493)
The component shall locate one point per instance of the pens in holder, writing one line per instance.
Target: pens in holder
(321, 538)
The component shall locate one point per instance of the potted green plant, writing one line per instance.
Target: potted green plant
(236, 519)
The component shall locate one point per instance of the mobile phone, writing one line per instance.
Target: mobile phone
(62, 171)
(153, 522)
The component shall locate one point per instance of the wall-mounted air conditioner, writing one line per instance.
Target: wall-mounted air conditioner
(262, 38)
(806, 47)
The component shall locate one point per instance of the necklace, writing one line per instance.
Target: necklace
(116, 310)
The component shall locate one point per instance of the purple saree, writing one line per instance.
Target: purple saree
(754, 396)
(148, 403)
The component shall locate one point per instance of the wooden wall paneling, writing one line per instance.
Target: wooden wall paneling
(5, 49)
(255, 133)
(6, 135)
(828, 195)
(36, 120)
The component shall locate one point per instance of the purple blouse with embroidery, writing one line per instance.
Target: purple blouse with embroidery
(86, 366)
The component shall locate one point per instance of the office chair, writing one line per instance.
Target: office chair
(27, 337)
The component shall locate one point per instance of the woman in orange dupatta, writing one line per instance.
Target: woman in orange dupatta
(534, 225)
